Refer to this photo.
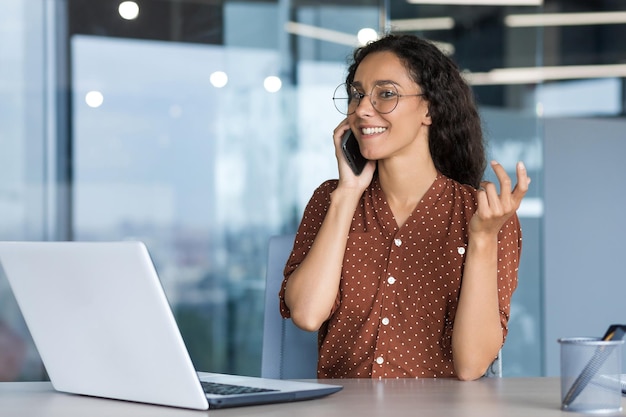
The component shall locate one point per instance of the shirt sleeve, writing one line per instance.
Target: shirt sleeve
(312, 219)
(509, 253)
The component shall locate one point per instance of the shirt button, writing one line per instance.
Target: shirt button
(380, 360)
(397, 242)
(385, 321)
(391, 280)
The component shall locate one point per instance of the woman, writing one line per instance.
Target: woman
(407, 270)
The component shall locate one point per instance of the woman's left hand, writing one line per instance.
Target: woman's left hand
(493, 209)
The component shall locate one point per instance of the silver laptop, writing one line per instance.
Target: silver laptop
(103, 326)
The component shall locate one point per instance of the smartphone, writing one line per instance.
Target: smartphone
(352, 153)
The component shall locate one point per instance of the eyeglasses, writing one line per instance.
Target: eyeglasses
(384, 98)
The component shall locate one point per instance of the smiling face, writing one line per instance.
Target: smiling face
(401, 131)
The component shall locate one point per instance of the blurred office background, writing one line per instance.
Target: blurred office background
(202, 127)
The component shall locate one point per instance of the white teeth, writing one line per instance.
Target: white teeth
(372, 130)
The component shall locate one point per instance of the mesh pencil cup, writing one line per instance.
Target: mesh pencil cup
(590, 375)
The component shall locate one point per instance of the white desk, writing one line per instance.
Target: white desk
(488, 397)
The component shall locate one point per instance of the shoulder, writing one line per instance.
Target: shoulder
(321, 195)
(327, 187)
(463, 193)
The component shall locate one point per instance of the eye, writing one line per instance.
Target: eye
(386, 93)
(356, 95)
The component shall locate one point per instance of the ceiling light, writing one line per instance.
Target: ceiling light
(536, 75)
(218, 79)
(128, 10)
(445, 47)
(366, 35)
(94, 99)
(481, 2)
(433, 23)
(272, 84)
(565, 19)
(342, 38)
(321, 34)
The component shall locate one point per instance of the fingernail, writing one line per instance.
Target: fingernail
(521, 165)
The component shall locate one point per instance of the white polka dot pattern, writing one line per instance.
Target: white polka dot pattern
(395, 310)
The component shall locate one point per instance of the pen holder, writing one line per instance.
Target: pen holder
(590, 375)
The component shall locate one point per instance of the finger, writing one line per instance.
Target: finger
(491, 201)
(341, 127)
(482, 199)
(503, 178)
(489, 188)
(523, 181)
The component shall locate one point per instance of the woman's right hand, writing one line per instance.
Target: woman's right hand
(347, 178)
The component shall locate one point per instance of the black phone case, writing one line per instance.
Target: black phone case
(350, 149)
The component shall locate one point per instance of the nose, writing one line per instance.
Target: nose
(364, 106)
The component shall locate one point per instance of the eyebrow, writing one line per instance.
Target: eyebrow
(377, 82)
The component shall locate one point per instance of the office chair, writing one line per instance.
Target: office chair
(495, 369)
(289, 352)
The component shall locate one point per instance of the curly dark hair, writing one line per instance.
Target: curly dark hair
(455, 135)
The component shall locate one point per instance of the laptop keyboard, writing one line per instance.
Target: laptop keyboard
(227, 389)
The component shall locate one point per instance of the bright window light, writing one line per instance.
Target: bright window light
(129, 10)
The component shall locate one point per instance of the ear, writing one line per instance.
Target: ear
(427, 120)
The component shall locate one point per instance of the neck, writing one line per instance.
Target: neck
(404, 186)
(405, 182)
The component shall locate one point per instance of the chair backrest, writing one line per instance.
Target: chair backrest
(288, 352)
(495, 369)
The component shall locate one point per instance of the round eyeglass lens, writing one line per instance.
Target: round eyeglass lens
(384, 98)
(341, 99)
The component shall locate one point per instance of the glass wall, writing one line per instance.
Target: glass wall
(24, 153)
(202, 128)
(203, 133)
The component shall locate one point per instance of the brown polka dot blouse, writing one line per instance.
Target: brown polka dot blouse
(399, 289)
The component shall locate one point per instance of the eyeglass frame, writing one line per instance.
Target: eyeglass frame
(362, 95)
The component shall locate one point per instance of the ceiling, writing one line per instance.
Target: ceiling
(479, 39)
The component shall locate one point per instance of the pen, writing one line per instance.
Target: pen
(614, 332)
